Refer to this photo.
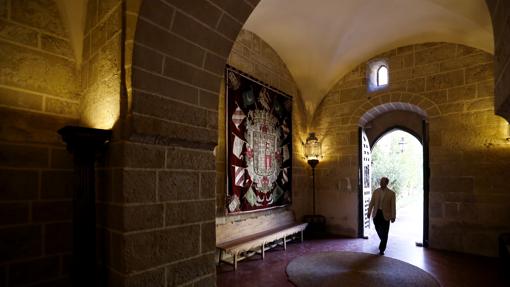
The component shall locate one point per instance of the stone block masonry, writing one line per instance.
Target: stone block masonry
(33, 107)
(33, 36)
(179, 52)
(453, 84)
(101, 66)
(39, 93)
(159, 214)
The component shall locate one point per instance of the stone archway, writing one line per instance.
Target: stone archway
(179, 50)
(451, 106)
(393, 101)
(384, 118)
(177, 65)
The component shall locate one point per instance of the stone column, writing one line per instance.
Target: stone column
(85, 144)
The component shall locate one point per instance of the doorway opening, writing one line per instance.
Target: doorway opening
(398, 155)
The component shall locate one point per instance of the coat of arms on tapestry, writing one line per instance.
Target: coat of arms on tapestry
(259, 144)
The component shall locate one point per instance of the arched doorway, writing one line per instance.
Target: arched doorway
(398, 155)
(373, 126)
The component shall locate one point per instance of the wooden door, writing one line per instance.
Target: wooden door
(365, 186)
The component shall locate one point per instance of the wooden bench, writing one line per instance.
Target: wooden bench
(234, 250)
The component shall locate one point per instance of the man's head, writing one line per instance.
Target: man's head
(384, 182)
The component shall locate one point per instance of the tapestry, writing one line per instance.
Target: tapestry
(259, 144)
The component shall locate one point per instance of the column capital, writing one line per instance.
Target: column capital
(82, 139)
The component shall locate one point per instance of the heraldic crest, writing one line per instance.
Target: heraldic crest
(259, 145)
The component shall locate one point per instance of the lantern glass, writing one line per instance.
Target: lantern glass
(313, 150)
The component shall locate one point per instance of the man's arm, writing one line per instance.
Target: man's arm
(371, 205)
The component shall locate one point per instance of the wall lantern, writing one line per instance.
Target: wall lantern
(313, 150)
(313, 153)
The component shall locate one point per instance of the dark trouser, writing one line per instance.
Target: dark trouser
(382, 226)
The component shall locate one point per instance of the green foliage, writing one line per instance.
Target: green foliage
(401, 163)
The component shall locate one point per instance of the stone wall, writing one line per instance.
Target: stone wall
(453, 84)
(39, 93)
(251, 55)
(101, 67)
(500, 14)
(40, 73)
(180, 49)
(255, 57)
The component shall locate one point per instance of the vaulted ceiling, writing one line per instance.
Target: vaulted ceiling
(320, 41)
(73, 15)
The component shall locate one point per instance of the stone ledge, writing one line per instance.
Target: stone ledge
(171, 141)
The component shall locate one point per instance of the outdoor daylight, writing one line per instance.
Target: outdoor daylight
(398, 155)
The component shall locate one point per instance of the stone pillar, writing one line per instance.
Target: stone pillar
(85, 144)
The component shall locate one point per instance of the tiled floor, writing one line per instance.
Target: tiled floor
(450, 269)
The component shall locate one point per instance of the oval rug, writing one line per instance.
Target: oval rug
(355, 269)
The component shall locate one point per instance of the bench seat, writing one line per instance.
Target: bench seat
(257, 243)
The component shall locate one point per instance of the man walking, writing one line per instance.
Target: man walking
(382, 209)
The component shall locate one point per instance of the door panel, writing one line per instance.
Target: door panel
(426, 187)
(366, 173)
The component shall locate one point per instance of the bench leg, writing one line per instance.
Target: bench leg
(262, 251)
(219, 257)
(301, 236)
(235, 261)
(285, 243)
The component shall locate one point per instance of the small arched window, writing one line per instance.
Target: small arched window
(382, 76)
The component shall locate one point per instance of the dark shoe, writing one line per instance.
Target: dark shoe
(381, 252)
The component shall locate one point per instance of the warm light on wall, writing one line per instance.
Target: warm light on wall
(101, 104)
(101, 113)
(100, 120)
(497, 137)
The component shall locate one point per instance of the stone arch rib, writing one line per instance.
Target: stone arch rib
(388, 103)
(177, 69)
(389, 107)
